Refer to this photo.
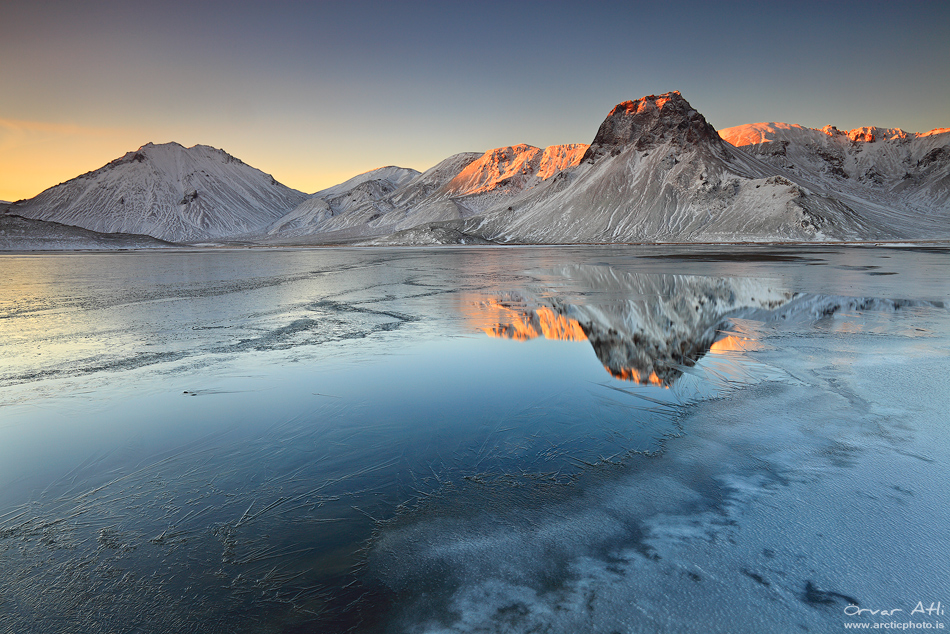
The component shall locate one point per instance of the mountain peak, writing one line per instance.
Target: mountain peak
(867, 134)
(648, 121)
(169, 192)
(649, 102)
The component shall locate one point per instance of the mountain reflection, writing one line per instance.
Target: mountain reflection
(643, 328)
(523, 325)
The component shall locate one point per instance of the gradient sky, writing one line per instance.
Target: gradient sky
(316, 92)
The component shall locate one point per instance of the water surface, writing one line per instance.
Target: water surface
(473, 439)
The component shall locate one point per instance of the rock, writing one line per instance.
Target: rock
(649, 121)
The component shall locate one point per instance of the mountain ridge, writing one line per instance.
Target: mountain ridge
(893, 177)
(656, 171)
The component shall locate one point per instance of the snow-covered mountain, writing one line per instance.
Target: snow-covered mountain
(658, 171)
(895, 178)
(499, 175)
(395, 176)
(361, 208)
(169, 192)
(459, 187)
(364, 192)
(489, 181)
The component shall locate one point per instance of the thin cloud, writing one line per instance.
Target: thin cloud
(14, 132)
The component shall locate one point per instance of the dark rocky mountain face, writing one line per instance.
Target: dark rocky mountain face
(646, 122)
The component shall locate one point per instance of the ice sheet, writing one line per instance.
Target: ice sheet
(270, 440)
(777, 509)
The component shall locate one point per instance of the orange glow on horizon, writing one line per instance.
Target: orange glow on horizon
(36, 155)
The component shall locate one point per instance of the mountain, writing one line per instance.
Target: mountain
(360, 208)
(894, 178)
(658, 171)
(22, 234)
(169, 192)
(459, 187)
(365, 191)
(391, 174)
(494, 178)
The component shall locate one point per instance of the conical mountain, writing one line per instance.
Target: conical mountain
(169, 192)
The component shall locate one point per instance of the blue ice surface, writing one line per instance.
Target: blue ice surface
(318, 438)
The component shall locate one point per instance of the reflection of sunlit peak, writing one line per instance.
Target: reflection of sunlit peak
(531, 324)
(730, 343)
(737, 343)
(559, 327)
(517, 330)
(633, 375)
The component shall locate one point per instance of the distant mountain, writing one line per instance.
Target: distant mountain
(894, 178)
(323, 211)
(496, 177)
(169, 192)
(658, 171)
(459, 187)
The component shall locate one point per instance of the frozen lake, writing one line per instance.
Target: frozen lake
(499, 439)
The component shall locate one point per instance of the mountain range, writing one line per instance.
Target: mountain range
(656, 171)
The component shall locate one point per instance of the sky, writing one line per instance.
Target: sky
(316, 92)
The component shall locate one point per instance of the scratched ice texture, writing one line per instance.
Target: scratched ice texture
(573, 439)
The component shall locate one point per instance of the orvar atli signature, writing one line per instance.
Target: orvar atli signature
(935, 609)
